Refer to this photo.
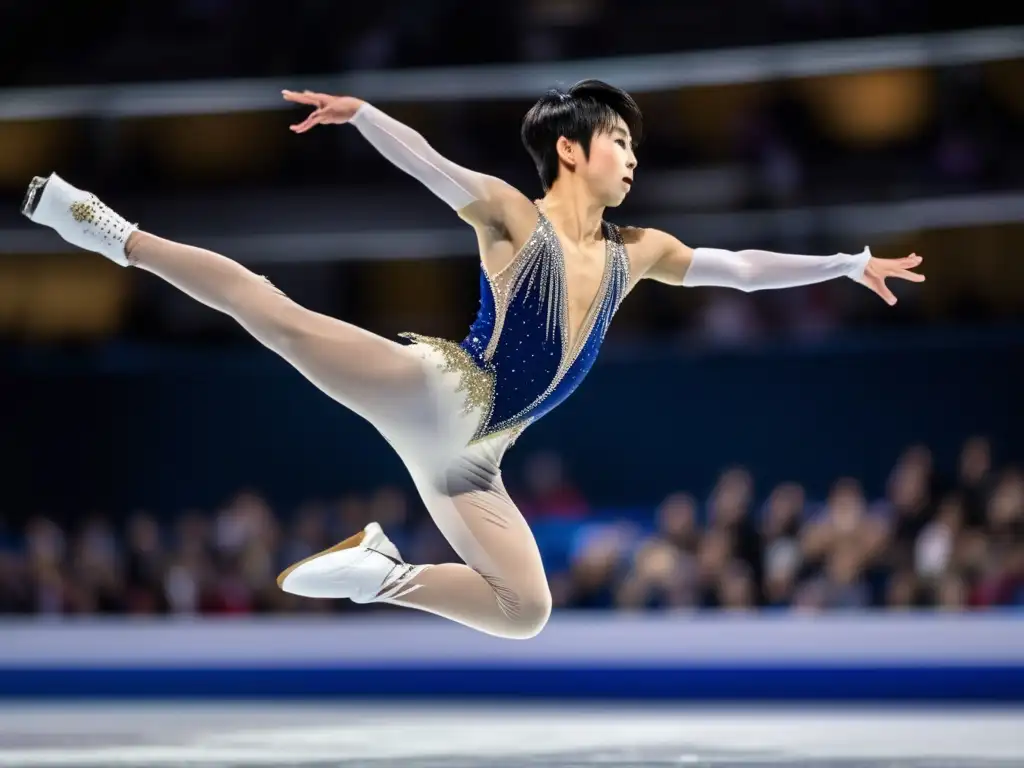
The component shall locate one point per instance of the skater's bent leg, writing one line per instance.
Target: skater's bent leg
(502, 590)
(361, 370)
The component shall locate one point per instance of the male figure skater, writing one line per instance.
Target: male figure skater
(552, 274)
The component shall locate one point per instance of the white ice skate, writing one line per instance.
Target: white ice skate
(77, 216)
(363, 568)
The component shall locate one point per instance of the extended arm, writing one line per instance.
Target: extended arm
(406, 148)
(482, 200)
(754, 270)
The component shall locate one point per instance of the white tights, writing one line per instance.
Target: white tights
(400, 389)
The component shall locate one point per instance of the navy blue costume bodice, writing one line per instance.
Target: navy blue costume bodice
(517, 361)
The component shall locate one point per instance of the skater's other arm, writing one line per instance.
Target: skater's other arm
(480, 199)
(665, 259)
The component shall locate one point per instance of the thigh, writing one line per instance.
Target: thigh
(470, 506)
(375, 377)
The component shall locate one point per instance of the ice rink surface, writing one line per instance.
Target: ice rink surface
(441, 735)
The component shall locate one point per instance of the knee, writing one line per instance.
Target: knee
(531, 614)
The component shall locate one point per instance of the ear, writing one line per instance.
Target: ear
(567, 152)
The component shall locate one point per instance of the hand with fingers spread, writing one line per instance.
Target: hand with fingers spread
(329, 110)
(877, 270)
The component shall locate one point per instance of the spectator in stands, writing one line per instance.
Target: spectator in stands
(974, 475)
(660, 577)
(596, 565)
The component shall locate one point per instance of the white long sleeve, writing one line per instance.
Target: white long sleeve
(753, 270)
(408, 150)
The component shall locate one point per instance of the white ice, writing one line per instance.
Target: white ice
(262, 735)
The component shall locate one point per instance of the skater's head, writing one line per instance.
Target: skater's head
(590, 131)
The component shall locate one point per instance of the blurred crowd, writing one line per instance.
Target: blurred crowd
(931, 541)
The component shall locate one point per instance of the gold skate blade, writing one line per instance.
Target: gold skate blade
(351, 541)
(33, 195)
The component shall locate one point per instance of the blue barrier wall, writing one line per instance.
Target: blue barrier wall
(850, 658)
(178, 429)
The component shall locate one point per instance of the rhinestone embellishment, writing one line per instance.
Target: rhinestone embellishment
(83, 211)
(476, 382)
(539, 266)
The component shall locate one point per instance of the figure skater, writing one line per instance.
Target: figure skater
(552, 274)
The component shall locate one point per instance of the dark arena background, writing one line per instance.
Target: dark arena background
(780, 528)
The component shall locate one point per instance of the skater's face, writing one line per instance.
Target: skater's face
(609, 169)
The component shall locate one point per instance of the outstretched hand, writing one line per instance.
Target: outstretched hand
(878, 270)
(329, 110)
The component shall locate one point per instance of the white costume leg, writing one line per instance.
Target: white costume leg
(404, 390)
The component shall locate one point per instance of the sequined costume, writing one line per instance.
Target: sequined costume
(518, 362)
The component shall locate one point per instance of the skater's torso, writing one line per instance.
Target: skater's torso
(534, 340)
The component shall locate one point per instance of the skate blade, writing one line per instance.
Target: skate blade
(33, 195)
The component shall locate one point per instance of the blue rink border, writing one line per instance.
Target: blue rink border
(997, 684)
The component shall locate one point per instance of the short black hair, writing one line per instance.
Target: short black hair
(586, 108)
